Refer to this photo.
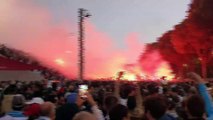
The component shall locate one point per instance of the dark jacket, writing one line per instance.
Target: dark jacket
(167, 117)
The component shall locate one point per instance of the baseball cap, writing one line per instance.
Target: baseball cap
(37, 100)
(18, 101)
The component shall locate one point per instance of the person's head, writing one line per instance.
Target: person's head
(71, 88)
(192, 90)
(66, 111)
(195, 106)
(91, 88)
(10, 90)
(119, 112)
(109, 102)
(131, 102)
(71, 98)
(18, 102)
(32, 111)
(54, 85)
(172, 101)
(125, 91)
(36, 87)
(48, 110)
(84, 116)
(152, 88)
(155, 106)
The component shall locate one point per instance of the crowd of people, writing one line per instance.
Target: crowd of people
(106, 100)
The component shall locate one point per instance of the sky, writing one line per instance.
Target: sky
(149, 18)
(115, 34)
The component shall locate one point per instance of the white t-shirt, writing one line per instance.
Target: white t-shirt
(123, 101)
(6, 117)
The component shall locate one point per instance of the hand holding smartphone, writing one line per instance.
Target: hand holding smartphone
(83, 89)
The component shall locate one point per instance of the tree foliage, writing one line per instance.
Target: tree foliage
(190, 43)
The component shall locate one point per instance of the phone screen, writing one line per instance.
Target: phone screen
(83, 90)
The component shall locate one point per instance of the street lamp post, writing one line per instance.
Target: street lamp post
(82, 14)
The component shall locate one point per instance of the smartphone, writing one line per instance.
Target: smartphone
(83, 90)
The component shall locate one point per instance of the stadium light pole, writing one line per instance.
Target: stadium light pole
(82, 15)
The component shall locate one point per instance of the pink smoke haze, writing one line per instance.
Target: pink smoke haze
(27, 27)
(150, 62)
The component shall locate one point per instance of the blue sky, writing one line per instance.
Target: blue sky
(117, 18)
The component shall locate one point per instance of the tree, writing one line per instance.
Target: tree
(190, 43)
(179, 62)
(192, 38)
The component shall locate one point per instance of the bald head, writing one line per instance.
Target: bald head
(84, 116)
(48, 109)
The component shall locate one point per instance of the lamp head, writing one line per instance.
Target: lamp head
(87, 15)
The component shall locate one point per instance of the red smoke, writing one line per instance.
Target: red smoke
(150, 62)
(153, 65)
(25, 26)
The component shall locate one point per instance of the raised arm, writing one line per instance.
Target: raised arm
(117, 85)
(117, 89)
(204, 93)
(94, 107)
(139, 99)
